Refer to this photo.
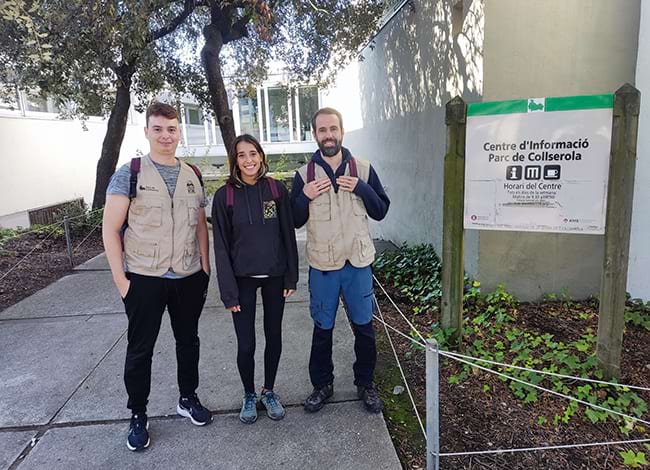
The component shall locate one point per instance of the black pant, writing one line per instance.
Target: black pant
(145, 304)
(321, 367)
(273, 302)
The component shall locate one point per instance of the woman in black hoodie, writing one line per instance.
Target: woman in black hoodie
(255, 246)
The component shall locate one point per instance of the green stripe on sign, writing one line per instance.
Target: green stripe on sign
(559, 103)
(497, 107)
(568, 103)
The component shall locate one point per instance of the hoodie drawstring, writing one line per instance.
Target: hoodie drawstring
(248, 206)
(259, 193)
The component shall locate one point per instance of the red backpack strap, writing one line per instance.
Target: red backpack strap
(230, 195)
(133, 179)
(311, 171)
(352, 164)
(197, 172)
(273, 186)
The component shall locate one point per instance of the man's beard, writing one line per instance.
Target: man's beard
(329, 151)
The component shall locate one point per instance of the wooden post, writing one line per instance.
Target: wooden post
(611, 319)
(452, 219)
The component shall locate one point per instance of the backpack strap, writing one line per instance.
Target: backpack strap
(273, 186)
(230, 195)
(352, 165)
(311, 171)
(197, 172)
(133, 179)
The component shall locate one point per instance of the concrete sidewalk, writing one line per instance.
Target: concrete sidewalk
(64, 405)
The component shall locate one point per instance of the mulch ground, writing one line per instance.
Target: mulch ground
(473, 419)
(47, 263)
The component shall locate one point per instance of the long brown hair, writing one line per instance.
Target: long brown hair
(235, 176)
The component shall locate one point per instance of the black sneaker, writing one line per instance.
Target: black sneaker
(318, 397)
(191, 407)
(370, 398)
(138, 435)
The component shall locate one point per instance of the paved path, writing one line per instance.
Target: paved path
(63, 400)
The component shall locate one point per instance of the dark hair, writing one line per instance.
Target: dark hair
(235, 176)
(161, 109)
(325, 111)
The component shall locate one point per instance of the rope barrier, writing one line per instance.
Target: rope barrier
(462, 358)
(399, 365)
(45, 227)
(530, 449)
(553, 392)
(543, 372)
(38, 245)
(87, 236)
(398, 309)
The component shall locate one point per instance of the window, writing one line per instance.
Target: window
(279, 114)
(193, 115)
(9, 98)
(248, 122)
(307, 105)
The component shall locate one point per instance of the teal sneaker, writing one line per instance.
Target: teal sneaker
(248, 413)
(271, 402)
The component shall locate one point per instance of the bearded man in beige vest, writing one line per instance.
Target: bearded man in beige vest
(334, 194)
(157, 204)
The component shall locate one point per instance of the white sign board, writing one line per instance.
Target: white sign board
(538, 165)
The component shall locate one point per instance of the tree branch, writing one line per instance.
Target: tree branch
(188, 8)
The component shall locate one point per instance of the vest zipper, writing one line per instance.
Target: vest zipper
(171, 261)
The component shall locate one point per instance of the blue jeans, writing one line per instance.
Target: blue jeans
(325, 287)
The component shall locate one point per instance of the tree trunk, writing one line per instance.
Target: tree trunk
(217, 88)
(112, 140)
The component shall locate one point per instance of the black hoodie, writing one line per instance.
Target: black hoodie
(253, 237)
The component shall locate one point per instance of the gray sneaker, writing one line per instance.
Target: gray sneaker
(248, 413)
(271, 402)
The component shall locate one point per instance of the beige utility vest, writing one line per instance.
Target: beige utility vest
(337, 228)
(162, 230)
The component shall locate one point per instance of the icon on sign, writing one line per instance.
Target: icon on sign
(533, 172)
(513, 172)
(551, 172)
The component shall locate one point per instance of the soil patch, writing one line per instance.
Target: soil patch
(42, 261)
(481, 412)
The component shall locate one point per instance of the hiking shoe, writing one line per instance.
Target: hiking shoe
(248, 413)
(138, 435)
(271, 402)
(191, 407)
(318, 397)
(370, 398)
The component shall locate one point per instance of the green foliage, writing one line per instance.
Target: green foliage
(637, 313)
(491, 332)
(82, 220)
(633, 459)
(415, 272)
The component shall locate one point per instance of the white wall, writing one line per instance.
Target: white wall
(553, 48)
(638, 283)
(46, 161)
(419, 62)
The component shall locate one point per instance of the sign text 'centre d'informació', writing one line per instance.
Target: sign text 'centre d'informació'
(538, 165)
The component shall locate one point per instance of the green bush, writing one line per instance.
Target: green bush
(415, 272)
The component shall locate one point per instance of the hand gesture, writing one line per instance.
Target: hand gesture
(236, 308)
(317, 187)
(347, 183)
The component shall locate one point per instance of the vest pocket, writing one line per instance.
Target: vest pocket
(366, 249)
(149, 214)
(358, 207)
(190, 256)
(193, 214)
(144, 254)
(319, 208)
(320, 253)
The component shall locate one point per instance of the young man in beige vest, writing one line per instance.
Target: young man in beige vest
(334, 194)
(162, 262)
